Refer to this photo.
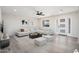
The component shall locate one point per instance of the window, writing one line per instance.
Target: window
(45, 23)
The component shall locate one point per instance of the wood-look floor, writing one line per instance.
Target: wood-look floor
(57, 44)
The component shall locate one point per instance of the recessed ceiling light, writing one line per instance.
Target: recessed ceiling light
(14, 10)
(61, 11)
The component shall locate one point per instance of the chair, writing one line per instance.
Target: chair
(4, 43)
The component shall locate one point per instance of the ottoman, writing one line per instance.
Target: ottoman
(40, 41)
(48, 37)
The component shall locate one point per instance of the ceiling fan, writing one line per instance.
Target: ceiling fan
(39, 13)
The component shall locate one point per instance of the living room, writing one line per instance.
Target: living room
(40, 23)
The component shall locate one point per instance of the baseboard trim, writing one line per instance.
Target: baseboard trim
(69, 36)
(73, 36)
(62, 34)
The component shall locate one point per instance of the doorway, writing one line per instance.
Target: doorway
(63, 25)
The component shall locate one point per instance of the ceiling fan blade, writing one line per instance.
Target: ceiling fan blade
(43, 14)
(40, 13)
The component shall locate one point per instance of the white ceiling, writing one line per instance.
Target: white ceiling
(30, 11)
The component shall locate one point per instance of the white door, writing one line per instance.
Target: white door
(63, 26)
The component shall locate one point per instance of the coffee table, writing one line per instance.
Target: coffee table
(35, 35)
(48, 37)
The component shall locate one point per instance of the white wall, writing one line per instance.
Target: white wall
(51, 23)
(74, 16)
(74, 22)
(13, 23)
(78, 25)
(0, 17)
